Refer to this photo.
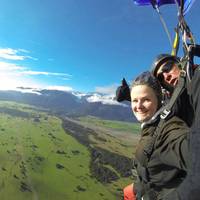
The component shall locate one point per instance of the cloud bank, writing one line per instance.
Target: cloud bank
(12, 54)
(13, 74)
(110, 89)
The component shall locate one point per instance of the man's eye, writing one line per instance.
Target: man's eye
(147, 100)
(134, 100)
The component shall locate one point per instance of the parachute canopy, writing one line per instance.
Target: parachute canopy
(187, 3)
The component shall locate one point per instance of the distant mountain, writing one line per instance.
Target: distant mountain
(72, 103)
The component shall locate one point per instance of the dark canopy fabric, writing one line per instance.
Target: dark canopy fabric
(187, 3)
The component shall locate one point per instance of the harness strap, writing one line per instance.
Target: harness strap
(149, 149)
(175, 46)
(143, 184)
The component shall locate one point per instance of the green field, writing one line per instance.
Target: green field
(117, 125)
(40, 161)
(120, 137)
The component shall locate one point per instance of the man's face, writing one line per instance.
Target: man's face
(169, 73)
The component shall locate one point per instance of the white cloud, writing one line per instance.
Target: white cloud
(32, 58)
(10, 81)
(23, 50)
(23, 71)
(65, 78)
(28, 90)
(107, 89)
(12, 54)
(106, 95)
(60, 88)
(5, 66)
(38, 89)
(13, 75)
(13, 81)
(104, 99)
(79, 94)
(29, 72)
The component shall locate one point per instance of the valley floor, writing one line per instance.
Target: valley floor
(44, 157)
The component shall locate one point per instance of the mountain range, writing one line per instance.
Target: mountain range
(72, 103)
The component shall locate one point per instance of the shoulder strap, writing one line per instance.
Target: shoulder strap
(145, 156)
(149, 149)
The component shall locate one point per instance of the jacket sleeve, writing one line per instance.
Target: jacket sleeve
(186, 114)
(190, 188)
(173, 143)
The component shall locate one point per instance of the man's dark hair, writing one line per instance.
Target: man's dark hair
(160, 59)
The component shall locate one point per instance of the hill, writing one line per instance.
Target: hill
(72, 103)
(44, 156)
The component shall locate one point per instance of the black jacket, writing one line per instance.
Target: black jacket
(190, 188)
(183, 108)
(166, 167)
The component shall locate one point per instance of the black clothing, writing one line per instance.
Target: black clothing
(166, 167)
(190, 188)
(183, 108)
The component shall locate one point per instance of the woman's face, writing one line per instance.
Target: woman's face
(144, 102)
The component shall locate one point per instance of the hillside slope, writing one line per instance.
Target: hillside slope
(72, 104)
(43, 158)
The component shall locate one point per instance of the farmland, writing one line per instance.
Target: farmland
(41, 160)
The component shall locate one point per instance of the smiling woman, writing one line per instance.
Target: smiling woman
(144, 102)
(162, 152)
(146, 97)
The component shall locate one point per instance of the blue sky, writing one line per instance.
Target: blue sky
(81, 45)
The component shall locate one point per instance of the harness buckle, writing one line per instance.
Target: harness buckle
(182, 73)
(164, 114)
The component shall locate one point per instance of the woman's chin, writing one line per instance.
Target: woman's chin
(142, 119)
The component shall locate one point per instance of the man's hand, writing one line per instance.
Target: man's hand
(123, 92)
